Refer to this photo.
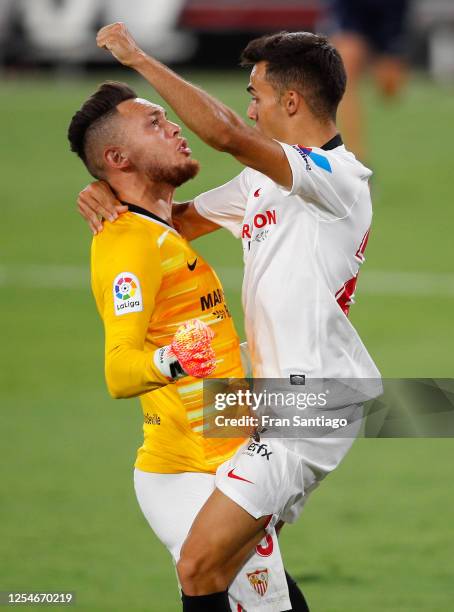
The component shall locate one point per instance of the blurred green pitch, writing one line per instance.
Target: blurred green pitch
(375, 536)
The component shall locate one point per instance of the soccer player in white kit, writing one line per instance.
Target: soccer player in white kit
(303, 211)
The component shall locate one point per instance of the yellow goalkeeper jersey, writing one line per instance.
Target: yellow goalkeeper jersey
(147, 281)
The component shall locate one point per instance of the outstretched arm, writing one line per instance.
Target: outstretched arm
(214, 122)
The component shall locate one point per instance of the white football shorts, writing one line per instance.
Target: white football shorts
(275, 476)
(170, 503)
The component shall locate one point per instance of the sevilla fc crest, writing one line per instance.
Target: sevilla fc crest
(259, 581)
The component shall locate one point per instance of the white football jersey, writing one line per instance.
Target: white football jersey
(303, 249)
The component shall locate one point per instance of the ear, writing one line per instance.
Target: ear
(292, 102)
(116, 158)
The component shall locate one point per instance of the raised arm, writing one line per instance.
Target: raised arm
(215, 123)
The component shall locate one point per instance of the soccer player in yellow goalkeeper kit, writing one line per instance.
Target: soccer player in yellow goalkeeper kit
(166, 324)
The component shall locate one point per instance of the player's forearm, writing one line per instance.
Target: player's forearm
(189, 223)
(210, 119)
(131, 372)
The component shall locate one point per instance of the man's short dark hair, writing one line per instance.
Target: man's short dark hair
(91, 122)
(302, 61)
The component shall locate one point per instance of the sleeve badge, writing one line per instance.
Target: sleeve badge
(127, 294)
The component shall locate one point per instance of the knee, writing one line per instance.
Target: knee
(200, 574)
(188, 570)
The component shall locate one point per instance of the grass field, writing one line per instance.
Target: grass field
(375, 537)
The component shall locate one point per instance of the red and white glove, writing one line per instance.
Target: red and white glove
(189, 354)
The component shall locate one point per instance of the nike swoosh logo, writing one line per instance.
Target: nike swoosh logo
(257, 193)
(193, 265)
(232, 475)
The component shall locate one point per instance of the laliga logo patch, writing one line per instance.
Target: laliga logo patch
(259, 581)
(127, 294)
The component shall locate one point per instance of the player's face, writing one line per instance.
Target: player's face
(265, 108)
(154, 145)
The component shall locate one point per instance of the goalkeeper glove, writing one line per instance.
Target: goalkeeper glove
(189, 354)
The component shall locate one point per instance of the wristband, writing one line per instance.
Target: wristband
(168, 364)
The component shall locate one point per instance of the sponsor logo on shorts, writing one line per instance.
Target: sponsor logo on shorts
(297, 379)
(259, 581)
(265, 547)
(231, 474)
(261, 450)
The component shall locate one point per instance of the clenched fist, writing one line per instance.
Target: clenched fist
(117, 39)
